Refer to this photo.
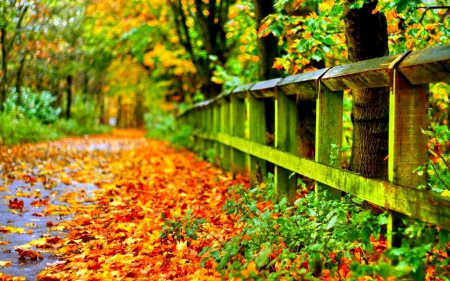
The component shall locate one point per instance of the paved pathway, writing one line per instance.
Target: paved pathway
(42, 177)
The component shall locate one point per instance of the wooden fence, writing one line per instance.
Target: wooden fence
(220, 123)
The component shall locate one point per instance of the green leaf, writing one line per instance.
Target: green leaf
(215, 255)
(328, 41)
(444, 238)
(191, 233)
(385, 270)
(382, 220)
(332, 222)
(418, 272)
(263, 257)
(248, 253)
(203, 261)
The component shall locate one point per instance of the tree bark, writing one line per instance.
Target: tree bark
(19, 76)
(4, 69)
(267, 46)
(69, 96)
(366, 35)
(139, 110)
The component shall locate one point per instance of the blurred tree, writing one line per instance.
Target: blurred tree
(200, 27)
(11, 18)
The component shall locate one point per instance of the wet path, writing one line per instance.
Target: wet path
(47, 183)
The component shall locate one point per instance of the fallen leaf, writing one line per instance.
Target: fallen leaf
(32, 255)
(16, 204)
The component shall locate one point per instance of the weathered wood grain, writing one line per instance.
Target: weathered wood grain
(302, 85)
(329, 112)
(241, 91)
(364, 74)
(427, 66)
(257, 133)
(408, 108)
(237, 122)
(285, 140)
(225, 129)
(265, 89)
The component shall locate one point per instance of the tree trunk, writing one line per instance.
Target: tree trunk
(267, 46)
(4, 69)
(139, 110)
(69, 96)
(19, 76)
(367, 38)
(119, 113)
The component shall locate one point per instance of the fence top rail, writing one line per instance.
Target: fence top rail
(265, 89)
(427, 66)
(419, 67)
(302, 85)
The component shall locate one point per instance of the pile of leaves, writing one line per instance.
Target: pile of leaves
(140, 183)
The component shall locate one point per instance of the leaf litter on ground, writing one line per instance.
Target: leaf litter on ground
(118, 236)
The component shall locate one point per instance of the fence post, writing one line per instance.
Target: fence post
(225, 129)
(285, 140)
(257, 134)
(408, 109)
(209, 127)
(202, 129)
(329, 112)
(216, 130)
(237, 127)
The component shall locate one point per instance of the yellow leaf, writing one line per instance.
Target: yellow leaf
(5, 263)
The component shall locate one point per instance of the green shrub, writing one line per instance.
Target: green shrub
(14, 130)
(36, 106)
(84, 112)
(74, 128)
(301, 241)
(162, 125)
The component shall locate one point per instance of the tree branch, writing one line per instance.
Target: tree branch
(16, 32)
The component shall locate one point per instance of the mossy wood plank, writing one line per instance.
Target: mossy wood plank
(407, 144)
(328, 125)
(257, 133)
(329, 114)
(364, 74)
(302, 85)
(238, 117)
(427, 66)
(202, 110)
(285, 140)
(216, 129)
(421, 204)
(265, 89)
(408, 106)
(242, 90)
(225, 129)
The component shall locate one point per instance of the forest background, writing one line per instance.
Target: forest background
(75, 66)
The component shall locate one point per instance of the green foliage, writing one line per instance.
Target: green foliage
(72, 128)
(300, 241)
(84, 112)
(16, 130)
(36, 106)
(182, 228)
(161, 125)
(437, 167)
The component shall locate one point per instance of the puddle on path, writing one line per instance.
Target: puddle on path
(28, 220)
(72, 165)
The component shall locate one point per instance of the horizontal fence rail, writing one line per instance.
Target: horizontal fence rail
(220, 124)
